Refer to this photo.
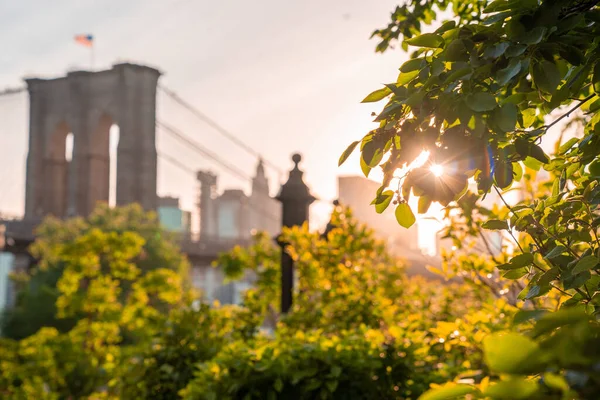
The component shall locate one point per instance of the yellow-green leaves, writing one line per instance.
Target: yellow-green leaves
(383, 200)
(377, 95)
(430, 40)
(347, 152)
(412, 65)
(495, 225)
(404, 215)
(449, 391)
(512, 389)
(509, 353)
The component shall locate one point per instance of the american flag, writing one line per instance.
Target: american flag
(86, 40)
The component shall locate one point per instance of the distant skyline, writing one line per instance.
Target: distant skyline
(284, 76)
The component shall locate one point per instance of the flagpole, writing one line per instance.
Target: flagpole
(92, 56)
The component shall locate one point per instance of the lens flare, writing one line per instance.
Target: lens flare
(437, 170)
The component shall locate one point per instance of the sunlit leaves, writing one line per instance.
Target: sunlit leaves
(404, 215)
(495, 225)
(431, 40)
(377, 95)
(449, 391)
(509, 352)
(347, 152)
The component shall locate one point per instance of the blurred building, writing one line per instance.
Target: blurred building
(232, 215)
(6, 265)
(357, 193)
(172, 217)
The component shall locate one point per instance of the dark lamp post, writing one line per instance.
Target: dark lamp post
(295, 200)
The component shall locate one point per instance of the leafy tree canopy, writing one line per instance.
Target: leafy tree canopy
(59, 244)
(485, 84)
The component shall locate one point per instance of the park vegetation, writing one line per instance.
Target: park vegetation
(486, 84)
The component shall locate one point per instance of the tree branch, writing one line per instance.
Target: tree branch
(575, 107)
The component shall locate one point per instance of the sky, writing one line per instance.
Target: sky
(284, 77)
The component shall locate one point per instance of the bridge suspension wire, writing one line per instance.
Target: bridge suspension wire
(213, 124)
(202, 150)
(10, 91)
(176, 163)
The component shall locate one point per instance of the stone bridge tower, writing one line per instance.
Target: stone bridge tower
(87, 104)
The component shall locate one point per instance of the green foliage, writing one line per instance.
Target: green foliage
(348, 283)
(61, 242)
(188, 336)
(114, 298)
(351, 365)
(480, 93)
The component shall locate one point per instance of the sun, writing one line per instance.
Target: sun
(437, 170)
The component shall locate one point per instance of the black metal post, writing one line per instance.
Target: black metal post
(295, 199)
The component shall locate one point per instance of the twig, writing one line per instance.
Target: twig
(581, 102)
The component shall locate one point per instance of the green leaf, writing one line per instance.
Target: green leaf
(412, 65)
(522, 260)
(430, 40)
(456, 51)
(507, 352)
(504, 75)
(347, 152)
(446, 26)
(562, 317)
(515, 50)
(498, 5)
(506, 117)
(546, 76)
(526, 315)
(424, 204)
(585, 264)
(404, 215)
(532, 163)
(495, 225)
(383, 201)
(549, 276)
(372, 153)
(594, 168)
(405, 78)
(449, 391)
(516, 273)
(459, 73)
(496, 50)
(536, 152)
(555, 252)
(503, 174)
(533, 36)
(556, 381)
(567, 146)
(332, 385)
(536, 291)
(377, 95)
(481, 101)
(365, 168)
(517, 171)
(512, 389)
(278, 385)
(596, 78)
